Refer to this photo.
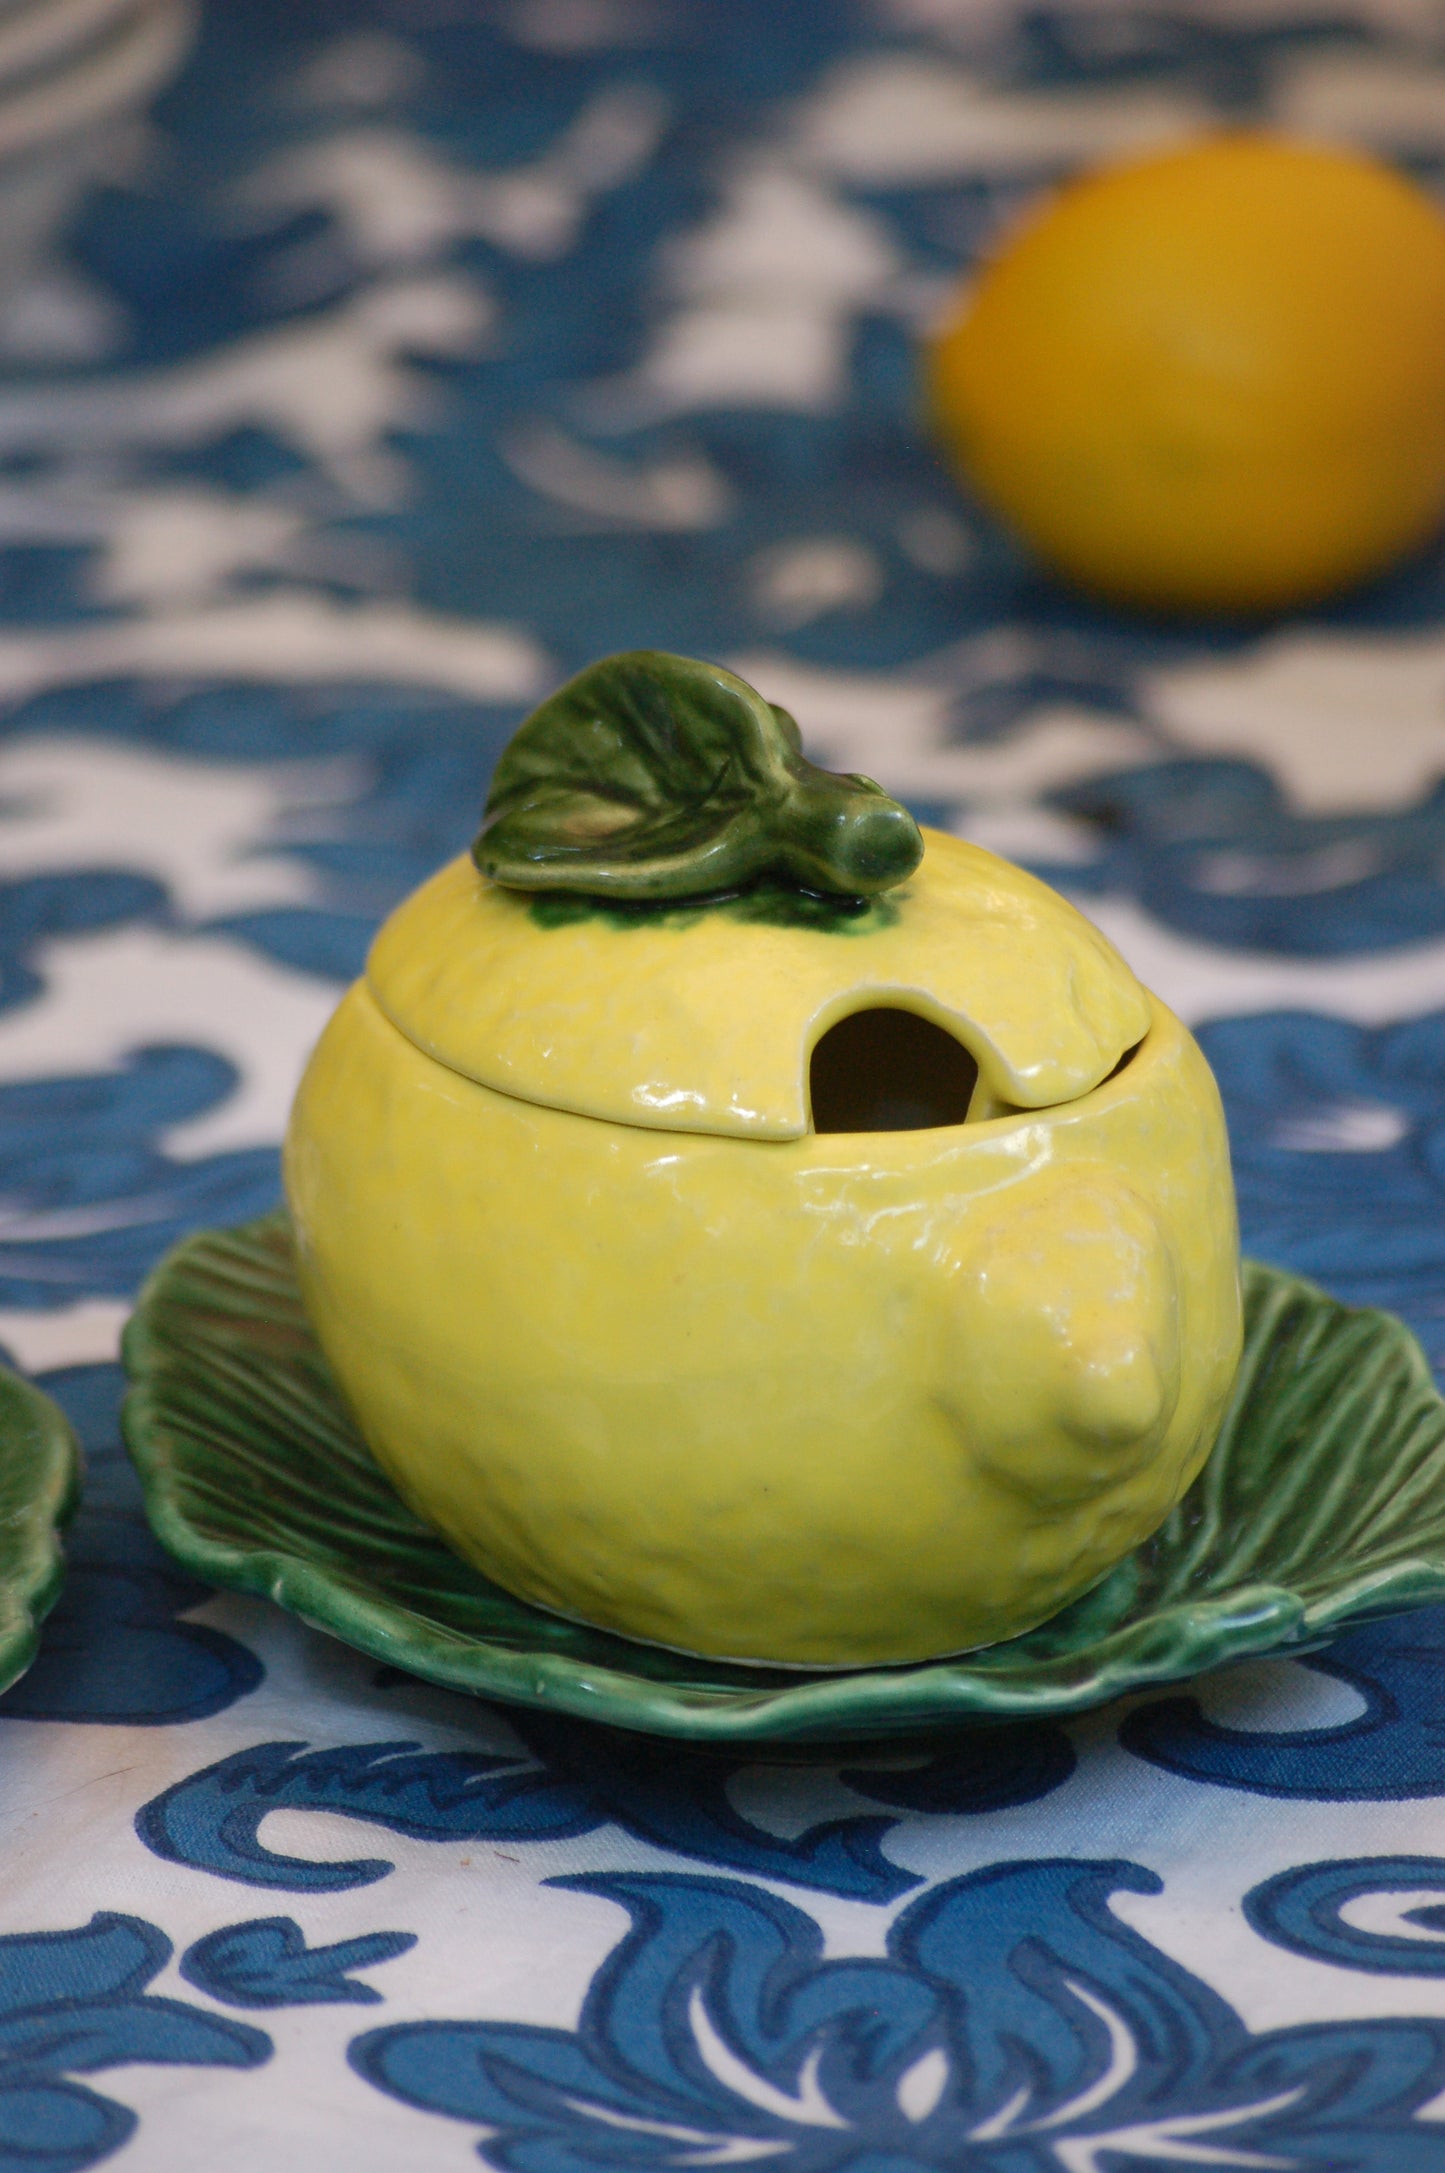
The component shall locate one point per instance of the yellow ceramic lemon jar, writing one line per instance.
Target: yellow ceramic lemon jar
(741, 1221)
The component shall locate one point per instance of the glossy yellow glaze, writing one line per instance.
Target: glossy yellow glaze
(700, 1021)
(826, 1400)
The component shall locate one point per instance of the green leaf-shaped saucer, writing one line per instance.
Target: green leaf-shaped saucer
(39, 1488)
(1323, 1502)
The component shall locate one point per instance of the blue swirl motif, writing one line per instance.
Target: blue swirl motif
(92, 1196)
(1391, 1752)
(1303, 1909)
(92, 1202)
(74, 2002)
(1016, 2025)
(1213, 848)
(576, 1780)
(267, 1963)
(211, 1820)
(1339, 1153)
(679, 1799)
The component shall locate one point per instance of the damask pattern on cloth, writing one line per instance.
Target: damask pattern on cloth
(1014, 2023)
(416, 353)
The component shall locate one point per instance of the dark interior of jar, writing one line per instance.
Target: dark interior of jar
(889, 1071)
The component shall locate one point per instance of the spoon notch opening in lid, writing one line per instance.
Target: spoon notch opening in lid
(655, 777)
(884, 1069)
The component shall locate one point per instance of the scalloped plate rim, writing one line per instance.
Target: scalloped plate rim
(835, 1708)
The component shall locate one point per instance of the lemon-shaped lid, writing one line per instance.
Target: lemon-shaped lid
(593, 977)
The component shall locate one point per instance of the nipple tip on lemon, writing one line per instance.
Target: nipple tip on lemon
(1211, 380)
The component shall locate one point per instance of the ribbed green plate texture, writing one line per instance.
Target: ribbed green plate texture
(1322, 1503)
(39, 1488)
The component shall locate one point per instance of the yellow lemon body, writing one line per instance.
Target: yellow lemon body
(1213, 380)
(812, 1398)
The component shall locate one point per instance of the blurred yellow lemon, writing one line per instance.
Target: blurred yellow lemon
(1210, 380)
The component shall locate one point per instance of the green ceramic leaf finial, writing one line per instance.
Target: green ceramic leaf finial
(655, 777)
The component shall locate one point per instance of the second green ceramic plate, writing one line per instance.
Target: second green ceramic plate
(1322, 1503)
(39, 1488)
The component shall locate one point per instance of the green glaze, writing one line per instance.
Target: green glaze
(39, 1488)
(764, 904)
(653, 777)
(1322, 1504)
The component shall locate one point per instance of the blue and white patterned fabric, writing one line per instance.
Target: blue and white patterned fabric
(421, 351)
